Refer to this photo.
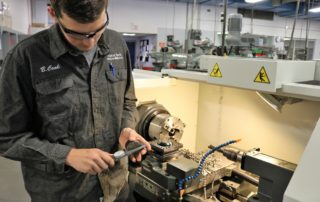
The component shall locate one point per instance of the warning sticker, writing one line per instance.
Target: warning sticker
(216, 71)
(262, 76)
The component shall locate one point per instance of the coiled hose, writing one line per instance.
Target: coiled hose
(198, 171)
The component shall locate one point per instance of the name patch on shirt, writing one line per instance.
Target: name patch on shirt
(116, 56)
(49, 68)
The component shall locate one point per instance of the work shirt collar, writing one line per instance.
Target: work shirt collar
(59, 45)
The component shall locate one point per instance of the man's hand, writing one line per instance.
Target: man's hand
(129, 134)
(92, 161)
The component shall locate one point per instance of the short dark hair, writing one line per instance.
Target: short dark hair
(83, 11)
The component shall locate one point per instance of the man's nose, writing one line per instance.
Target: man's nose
(88, 42)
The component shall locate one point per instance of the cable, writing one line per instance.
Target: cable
(198, 171)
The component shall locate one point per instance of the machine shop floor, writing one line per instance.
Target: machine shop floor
(11, 182)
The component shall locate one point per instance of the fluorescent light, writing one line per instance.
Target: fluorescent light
(128, 34)
(253, 1)
(221, 32)
(315, 10)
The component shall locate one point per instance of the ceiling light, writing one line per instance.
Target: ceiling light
(253, 1)
(315, 10)
(128, 34)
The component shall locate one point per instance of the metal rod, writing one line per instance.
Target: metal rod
(215, 25)
(174, 16)
(224, 26)
(198, 16)
(307, 30)
(251, 21)
(245, 176)
(293, 28)
(186, 46)
(193, 12)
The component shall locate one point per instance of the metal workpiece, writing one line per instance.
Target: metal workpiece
(162, 130)
(232, 153)
(131, 148)
(165, 127)
(157, 123)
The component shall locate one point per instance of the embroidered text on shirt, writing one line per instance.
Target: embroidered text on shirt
(49, 68)
(116, 56)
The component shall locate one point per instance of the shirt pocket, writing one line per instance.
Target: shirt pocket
(55, 102)
(117, 81)
(54, 96)
(53, 86)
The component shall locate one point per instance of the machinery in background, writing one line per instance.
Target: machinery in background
(251, 45)
(172, 56)
(194, 44)
(236, 44)
(175, 44)
(171, 173)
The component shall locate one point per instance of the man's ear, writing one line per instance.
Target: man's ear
(52, 13)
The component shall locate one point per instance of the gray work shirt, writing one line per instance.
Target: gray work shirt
(51, 101)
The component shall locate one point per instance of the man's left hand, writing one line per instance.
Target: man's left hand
(129, 134)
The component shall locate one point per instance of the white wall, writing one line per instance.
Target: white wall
(229, 113)
(143, 16)
(21, 15)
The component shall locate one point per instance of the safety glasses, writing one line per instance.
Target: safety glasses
(79, 35)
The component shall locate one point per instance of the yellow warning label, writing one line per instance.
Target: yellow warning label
(262, 76)
(216, 71)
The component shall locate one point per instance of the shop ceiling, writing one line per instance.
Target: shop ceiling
(283, 8)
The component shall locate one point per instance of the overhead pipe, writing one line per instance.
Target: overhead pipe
(186, 46)
(307, 30)
(225, 2)
(293, 28)
(193, 12)
(174, 16)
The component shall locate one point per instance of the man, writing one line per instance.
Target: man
(66, 103)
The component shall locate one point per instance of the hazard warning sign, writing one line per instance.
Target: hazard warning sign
(262, 76)
(216, 71)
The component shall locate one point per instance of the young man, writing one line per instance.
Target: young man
(67, 102)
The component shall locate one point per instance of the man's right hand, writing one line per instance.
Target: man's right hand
(92, 161)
